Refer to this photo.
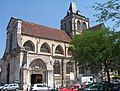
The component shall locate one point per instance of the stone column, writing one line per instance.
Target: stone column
(25, 79)
(50, 78)
(28, 80)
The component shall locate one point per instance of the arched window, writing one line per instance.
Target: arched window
(69, 67)
(29, 46)
(78, 25)
(84, 26)
(59, 50)
(45, 48)
(69, 52)
(56, 67)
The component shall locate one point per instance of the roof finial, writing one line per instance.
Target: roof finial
(73, 8)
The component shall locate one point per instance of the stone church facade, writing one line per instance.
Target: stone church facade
(40, 54)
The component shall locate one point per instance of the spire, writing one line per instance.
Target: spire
(73, 9)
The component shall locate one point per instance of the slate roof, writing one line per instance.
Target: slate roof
(32, 29)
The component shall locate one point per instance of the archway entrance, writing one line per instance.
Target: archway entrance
(38, 71)
(36, 78)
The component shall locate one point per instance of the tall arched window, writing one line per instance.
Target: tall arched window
(29, 46)
(56, 67)
(45, 48)
(69, 52)
(69, 67)
(84, 26)
(78, 25)
(59, 50)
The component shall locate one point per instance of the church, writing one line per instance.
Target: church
(39, 54)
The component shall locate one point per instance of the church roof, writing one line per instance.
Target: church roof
(32, 29)
(96, 27)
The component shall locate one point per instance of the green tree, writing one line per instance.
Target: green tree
(107, 11)
(97, 50)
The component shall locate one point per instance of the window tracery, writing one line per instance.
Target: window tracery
(56, 67)
(45, 48)
(59, 50)
(69, 67)
(29, 46)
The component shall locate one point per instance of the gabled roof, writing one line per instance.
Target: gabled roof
(32, 29)
(96, 27)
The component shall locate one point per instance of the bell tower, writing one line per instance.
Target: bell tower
(74, 22)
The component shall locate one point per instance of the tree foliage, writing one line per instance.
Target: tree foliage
(97, 50)
(107, 11)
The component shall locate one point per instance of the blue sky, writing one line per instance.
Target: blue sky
(43, 12)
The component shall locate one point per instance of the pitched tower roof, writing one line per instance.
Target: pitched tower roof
(73, 9)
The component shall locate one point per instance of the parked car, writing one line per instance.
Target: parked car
(40, 87)
(116, 81)
(12, 86)
(1, 86)
(65, 89)
(115, 87)
(76, 87)
(96, 87)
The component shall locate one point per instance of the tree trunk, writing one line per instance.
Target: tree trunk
(107, 71)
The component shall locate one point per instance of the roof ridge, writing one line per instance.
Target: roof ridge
(42, 31)
(41, 25)
(38, 24)
(101, 24)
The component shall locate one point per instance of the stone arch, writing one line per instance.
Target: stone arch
(38, 63)
(29, 45)
(45, 48)
(38, 71)
(59, 50)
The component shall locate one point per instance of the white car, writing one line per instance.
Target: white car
(12, 86)
(1, 86)
(40, 87)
